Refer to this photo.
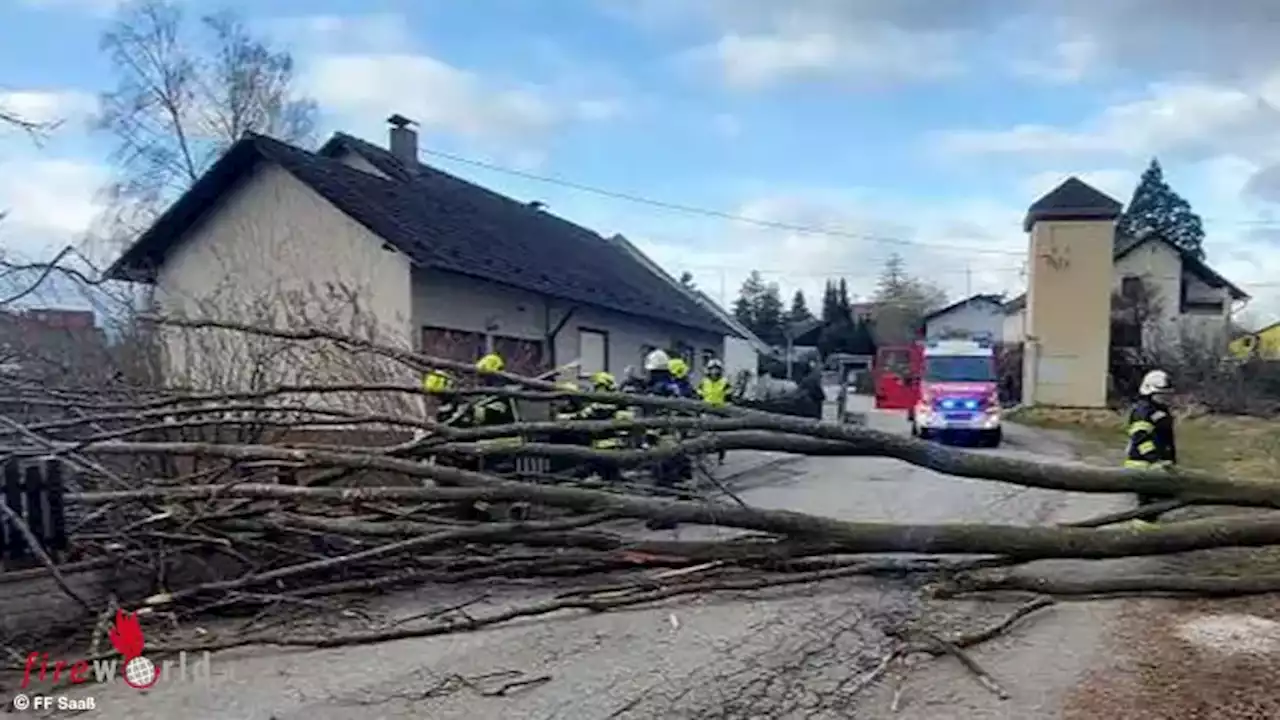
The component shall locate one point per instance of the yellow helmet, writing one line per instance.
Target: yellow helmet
(678, 367)
(604, 381)
(491, 363)
(437, 381)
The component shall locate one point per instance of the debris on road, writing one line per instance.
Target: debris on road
(222, 504)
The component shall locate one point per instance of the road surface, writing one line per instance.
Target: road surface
(776, 654)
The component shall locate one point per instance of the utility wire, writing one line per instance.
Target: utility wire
(710, 212)
(760, 222)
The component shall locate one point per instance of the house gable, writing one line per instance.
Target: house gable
(271, 240)
(977, 314)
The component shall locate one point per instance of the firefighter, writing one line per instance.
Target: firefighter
(568, 409)
(680, 377)
(441, 384)
(490, 411)
(604, 382)
(714, 390)
(1150, 430)
(632, 382)
(657, 367)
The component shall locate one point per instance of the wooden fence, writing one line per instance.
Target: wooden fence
(35, 491)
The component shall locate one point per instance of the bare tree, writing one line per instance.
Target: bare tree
(184, 93)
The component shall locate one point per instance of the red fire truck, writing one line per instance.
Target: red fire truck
(948, 388)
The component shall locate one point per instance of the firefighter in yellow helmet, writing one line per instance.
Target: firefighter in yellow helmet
(440, 384)
(714, 389)
(680, 377)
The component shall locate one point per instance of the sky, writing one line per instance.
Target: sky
(808, 139)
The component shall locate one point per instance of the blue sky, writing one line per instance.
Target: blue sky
(924, 128)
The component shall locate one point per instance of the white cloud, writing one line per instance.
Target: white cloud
(49, 204)
(1070, 60)
(101, 7)
(972, 246)
(880, 54)
(48, 106)
(1118, 184)
(1193, 119)
(362, 69)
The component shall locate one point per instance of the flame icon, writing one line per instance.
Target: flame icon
(126, 637)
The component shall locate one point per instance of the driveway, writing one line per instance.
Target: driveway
(777, 654)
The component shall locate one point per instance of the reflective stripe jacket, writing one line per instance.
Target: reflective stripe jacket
(714, 392)
(1150, 435)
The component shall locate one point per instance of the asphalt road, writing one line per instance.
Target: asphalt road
(777, 654)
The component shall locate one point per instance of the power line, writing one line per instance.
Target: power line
(710, 212)
(723, 215)
(772, 224)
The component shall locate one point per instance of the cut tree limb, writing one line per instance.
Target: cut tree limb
(1015, 542)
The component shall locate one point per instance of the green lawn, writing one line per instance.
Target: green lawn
(1232, 445)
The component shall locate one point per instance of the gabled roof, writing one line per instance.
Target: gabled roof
(439, 221)
(1074, 199)
(996, 300)
(1190, 263)
(1124, 244)
(700, 297)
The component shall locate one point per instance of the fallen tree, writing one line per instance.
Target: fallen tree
(241, 500)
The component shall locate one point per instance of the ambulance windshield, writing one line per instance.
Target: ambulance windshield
(959, 368)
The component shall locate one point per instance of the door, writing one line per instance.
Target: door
(896, 378)
(593, 351)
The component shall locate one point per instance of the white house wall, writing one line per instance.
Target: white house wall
(1160, 267)
(274, 251)
(459, 302)
(1013, 327)
(976, 318)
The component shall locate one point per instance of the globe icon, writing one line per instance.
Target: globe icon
(140, 673)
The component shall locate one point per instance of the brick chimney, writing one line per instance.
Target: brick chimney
(404, 141)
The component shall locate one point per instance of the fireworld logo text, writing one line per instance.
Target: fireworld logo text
(137, 671)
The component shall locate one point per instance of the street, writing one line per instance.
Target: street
(778, 654)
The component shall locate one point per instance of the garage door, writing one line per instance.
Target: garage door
(593, 351)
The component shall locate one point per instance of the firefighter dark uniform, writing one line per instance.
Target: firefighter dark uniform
(663, 384)
(569, 409)
(1150, 430)
(679, 370)
(604, 382)
(714, 390)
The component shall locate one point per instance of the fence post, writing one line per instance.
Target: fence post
(35, 493)
(16, 545)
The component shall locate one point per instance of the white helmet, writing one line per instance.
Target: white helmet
(1154, 382)
(656, 360)
(714, 363)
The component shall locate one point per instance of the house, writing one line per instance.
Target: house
(742, 349)
(1263, 344)
(977, 315)
(54, 345)
(1187, 298)
(1077, 262)
(369, 240)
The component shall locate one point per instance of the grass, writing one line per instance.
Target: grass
(1227, 444)
(1154, 674)
(1235, 446)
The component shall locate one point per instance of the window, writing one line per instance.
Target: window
(459, 345)
(521, 356)
(593, 351)
(960, 368)
(1131, 288)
